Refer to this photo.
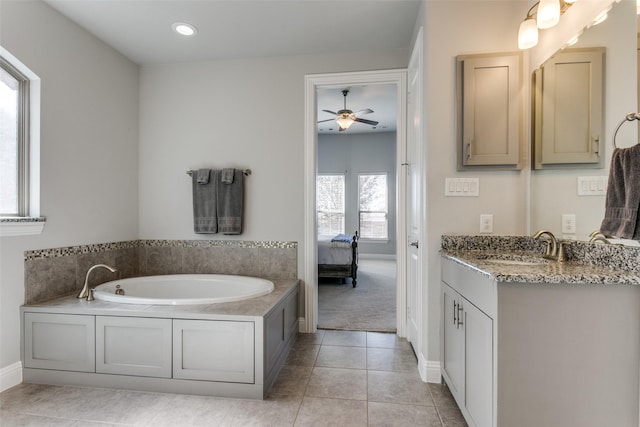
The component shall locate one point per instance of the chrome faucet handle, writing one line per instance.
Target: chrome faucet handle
(90, 296)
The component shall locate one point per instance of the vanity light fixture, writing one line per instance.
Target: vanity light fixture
(184, 29)
(542, 15)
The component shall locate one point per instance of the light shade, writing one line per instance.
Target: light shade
(528, 34)
(345, 120)
(548, 13)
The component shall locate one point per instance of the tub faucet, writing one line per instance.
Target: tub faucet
(552, 244)
(85, 293)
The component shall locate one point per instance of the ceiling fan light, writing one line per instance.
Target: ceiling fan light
(528, 34)
(548, 13)
(345, 120)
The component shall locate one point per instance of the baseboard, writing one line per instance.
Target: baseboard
(10, 376)
(302, 325)
(429, 370)
(388, 257)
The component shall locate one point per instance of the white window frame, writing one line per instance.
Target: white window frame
(344, 201)
(29, 221)
(385, 212)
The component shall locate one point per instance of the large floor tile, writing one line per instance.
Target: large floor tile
(320, 412)
(275, 412)
(342, 357)
(398, 387)
(393, 414)
(345, 338)
(11, 419)
(338, 383)
(385, 340)
(303, 355)
(388, 359)
(191, 411)
(315, 338)
(292, 381)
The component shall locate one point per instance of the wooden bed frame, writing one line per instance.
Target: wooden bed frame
(343, 271)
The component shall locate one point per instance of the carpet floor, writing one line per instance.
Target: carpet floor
(370, 306)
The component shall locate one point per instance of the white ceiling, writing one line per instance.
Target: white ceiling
(232, 29)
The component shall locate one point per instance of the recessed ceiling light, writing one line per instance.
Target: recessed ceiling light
(184, 29)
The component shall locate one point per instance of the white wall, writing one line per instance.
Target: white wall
(89, 132)
(242, 113)
(451, 29)
(362, 153)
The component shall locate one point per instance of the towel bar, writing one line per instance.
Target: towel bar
(628, 118)
(245, 172)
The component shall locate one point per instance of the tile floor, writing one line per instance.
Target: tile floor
(332, 378)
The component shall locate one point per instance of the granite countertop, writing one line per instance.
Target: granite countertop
(530, 267)
(254, 307)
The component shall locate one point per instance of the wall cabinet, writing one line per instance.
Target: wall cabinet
(490, 113)
(568, 110)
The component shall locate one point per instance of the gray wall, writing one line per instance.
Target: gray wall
(362, 153)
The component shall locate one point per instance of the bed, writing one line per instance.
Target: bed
(338, 257)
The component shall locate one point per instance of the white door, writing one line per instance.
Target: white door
(414, 211)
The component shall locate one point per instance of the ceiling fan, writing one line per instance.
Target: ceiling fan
(347, 117)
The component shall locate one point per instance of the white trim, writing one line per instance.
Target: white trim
(21, 228)
(430, 370)
(337, 80)
(10, 376)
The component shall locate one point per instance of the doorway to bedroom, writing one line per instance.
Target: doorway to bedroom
(356, 207)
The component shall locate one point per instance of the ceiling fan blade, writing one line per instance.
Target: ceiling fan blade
(330, 112)
(367, 122)
(365, 111)
(328, 120)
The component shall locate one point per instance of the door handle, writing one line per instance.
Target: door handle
(414, 244)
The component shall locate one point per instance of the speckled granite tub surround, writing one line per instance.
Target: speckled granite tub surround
(586, 262)
(52, 273)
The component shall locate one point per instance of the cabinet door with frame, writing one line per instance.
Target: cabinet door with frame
(490, 112)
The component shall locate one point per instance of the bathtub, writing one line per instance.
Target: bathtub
(183, 289)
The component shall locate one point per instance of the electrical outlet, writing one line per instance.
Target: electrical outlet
(569, 223)
(486, 223)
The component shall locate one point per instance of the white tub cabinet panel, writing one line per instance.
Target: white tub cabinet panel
(213, 350)
(133, 346)
(59, 341)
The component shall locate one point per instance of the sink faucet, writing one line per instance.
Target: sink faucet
(85, 293)
(552, 244)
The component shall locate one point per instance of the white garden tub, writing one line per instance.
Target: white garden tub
(183, 289)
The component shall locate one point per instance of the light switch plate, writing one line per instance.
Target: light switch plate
(592, 185)
(462, 187)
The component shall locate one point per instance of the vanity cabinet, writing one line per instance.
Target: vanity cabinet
(468, 353)
(568, 110)
(540, 354)
(490, 113)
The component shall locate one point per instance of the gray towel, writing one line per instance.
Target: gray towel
(227, 175)
(203, 176)
(230, 204)
(205, 215)
(623, 195)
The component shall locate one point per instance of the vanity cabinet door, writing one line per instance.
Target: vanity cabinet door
(214, 350)
(569, 109)
(133, 346)
(489, 111)
(452, 360)
(478, 355)
(63, 342)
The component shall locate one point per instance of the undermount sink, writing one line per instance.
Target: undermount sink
(513, 259)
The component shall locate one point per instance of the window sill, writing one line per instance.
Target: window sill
(11, 227)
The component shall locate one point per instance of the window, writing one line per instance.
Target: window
(373, 206)
(330, 204)
(19, 148)
(14, 120)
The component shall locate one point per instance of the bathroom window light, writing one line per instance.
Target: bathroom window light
(330, 202)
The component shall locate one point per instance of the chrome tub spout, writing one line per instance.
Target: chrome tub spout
(84, 293)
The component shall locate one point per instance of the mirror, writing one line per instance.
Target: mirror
(554, 197)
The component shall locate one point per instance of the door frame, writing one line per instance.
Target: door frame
(397, 77)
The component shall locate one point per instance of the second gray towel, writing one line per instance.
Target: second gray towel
(623, 195)
(230, 204)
